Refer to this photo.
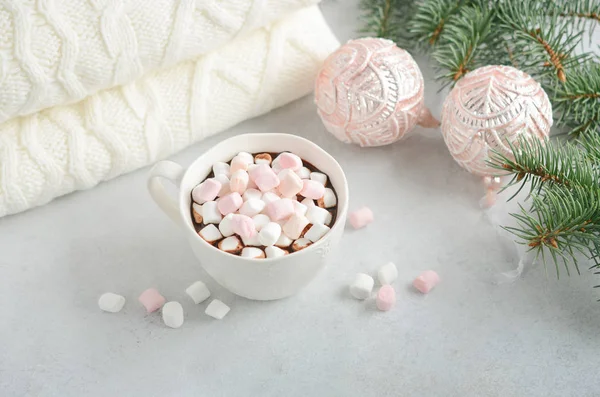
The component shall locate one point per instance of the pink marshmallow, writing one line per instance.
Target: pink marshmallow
(290, 183)
(312, 189)
(230, 203)
(264, 177)
(243, 226)
(426, 281)
(361, 217)
(289, 160)
(152, 300)
(294, 227)
(280, 209)
(239, 181)
(239, 163)
(386, 298)
(206, 191)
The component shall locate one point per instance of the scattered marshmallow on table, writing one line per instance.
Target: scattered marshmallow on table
(311, 189)
(317, 215)
(386, 298)
(230, 203)
(110, 302)
(206, 191)
(252, 207)
(221, 168)
(243, 226)
(226, 225)
(426, 281)
(294, 226)
(217, 309)
(316, 231)
(387, 273)
(290, 183)
(172, 314)
(211, 213)
(269, 234)
(151, 299)
(275, 252)
(361, 217)
(362, 286)
(252, 253)
(328, 200)
(210, 233)
(319, 177)
(300, 244)
(198, 291)
(239, 181)
(231, 244)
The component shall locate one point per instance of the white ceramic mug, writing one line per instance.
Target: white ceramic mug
(260, 279)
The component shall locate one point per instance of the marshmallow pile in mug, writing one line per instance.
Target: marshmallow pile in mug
(256, 206)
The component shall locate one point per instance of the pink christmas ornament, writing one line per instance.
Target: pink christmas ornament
(370, 92)
(489, 108)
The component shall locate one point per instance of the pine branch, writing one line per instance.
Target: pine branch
(583, 14)
(388, 19)
(430, 18)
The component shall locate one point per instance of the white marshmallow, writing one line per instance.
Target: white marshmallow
(247, 157)
(274, 252)
(284, 241)
(253, 253)
(299, 208)
(294, 226)
(301, 243)
(198, 291)
(252, 207)
(319, 177)
(329, 200)
(260, 221)
(269, 197)
(387, 273)
(231, 244)
(172, 314)
(210, 233)
(224, 180)
(252, 194)
(276, 166)
(211, 213)
(197, 208)
(226, 227)
(308, 202)
(303, 173)
(269, 234)
(110, 302)
(251, 167)
(221, 168)
(316, 231)
(239, 181)
(251, 241)
(362, 286)
(317, 215)
(329, 218)
(217, 309)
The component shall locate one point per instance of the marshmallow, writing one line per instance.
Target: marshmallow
(311, 189)
(289, 160)
(294, 227)
(275, 252)
(243, 226)
(265, 178)
(316, 231)
(252, 253)
(303, 173)
(197, 212)
(426, 281)
(110, 302)
(239, 164)
(317, 215)
(284, 241)
(172, 314)
(362, 286)
(300, 244)
(247, 157)
(308, 202)
(252, 207)
(210, 233)
(251, 194)
(280, 209)
(269, 234)
(151, 299)
(387, 273)
(230, 203)
(224, 181)
(221, 168)
(269, 197)
(299, 208)
(263, 158)
(226, 226)
(386, 298)
(206, 191)
(361, 217)
(319, 177)
(328, 200)
(251, 184)
(251, 241)
(211, 213)
(260, 221)
(198, 291)
(290, 184)
(239, 181)
(231, 244)
(329, 218)
(217, 309)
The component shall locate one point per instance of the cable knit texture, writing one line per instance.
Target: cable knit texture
(54, 52)
(61, 149)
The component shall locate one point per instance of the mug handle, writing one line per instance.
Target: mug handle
(172, 172)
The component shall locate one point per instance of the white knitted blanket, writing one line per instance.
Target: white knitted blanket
(65, 148)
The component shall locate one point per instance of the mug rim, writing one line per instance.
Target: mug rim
(184, 212)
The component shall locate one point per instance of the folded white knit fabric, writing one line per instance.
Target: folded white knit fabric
(61, 149)
(54, 52)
